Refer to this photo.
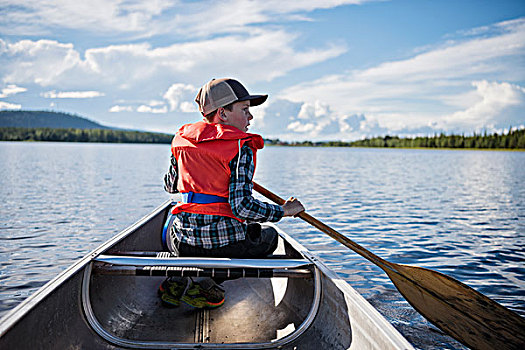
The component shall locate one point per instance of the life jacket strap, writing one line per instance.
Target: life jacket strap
(202, 198)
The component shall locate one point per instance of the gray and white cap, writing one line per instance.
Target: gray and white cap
(221, 92)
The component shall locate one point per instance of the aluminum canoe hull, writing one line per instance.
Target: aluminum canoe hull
(83, 309)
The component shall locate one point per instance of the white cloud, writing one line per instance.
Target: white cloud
(315, 119)
(273, 117)
(155, 103)
(140, 71)
(118, 109)
(40, 62)
(314, 110)
(102, 16)
(188, 107)
(11, 90)
(149, 109)
(216, 17)
(272, 52)
(147, 18)
(125, 67)
(299, 127)
(71, 94)
(490, 111)
(289, 120)
(180, 97)
(7, 105)
(352, 122)
(153, 106)
(426, 91)
(472, 80)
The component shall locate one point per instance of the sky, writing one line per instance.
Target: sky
(333, 69)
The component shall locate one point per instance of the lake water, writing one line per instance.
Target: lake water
(458, 212)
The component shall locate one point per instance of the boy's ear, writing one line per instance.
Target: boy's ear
(222, 115)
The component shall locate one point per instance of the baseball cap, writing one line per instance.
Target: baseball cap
(221, 92)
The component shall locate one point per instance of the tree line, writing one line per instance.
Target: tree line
(82, 135)
(513, 139)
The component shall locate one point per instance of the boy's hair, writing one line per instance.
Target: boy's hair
(209, 117)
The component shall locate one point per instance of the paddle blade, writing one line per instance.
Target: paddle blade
(467, 315)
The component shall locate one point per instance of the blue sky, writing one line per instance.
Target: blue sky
(334, 69)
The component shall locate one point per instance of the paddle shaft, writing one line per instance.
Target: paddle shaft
(462, 312)
(327, 229)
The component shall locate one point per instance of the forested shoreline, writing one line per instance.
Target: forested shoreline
(514, 139)
(82, 135)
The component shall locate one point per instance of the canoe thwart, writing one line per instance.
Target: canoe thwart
(204, 262)
(176, 271)
(164, 254)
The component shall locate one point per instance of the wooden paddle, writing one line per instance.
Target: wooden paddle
(460, 311)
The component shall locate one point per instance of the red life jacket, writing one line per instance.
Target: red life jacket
(203, 152)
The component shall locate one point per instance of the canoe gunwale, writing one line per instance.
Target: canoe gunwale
(99, 329)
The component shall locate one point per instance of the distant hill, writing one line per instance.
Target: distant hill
(43, 119)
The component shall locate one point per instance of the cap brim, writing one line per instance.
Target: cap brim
(255, 100)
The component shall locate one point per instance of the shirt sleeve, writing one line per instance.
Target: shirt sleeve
(244, 206)
(171, 177)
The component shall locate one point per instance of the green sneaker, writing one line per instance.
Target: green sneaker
(171, 290)
(204, 294)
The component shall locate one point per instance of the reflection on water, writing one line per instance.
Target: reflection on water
(459, 212)
(62, 200)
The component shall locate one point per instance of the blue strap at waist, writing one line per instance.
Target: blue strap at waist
(202, 198)
(166, 228)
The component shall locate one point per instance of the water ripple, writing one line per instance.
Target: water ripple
(458, 212)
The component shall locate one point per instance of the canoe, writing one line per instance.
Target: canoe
(108, 300)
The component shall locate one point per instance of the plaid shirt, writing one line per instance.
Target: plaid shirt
(213, 231)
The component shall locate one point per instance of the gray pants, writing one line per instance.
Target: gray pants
(259, 243)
